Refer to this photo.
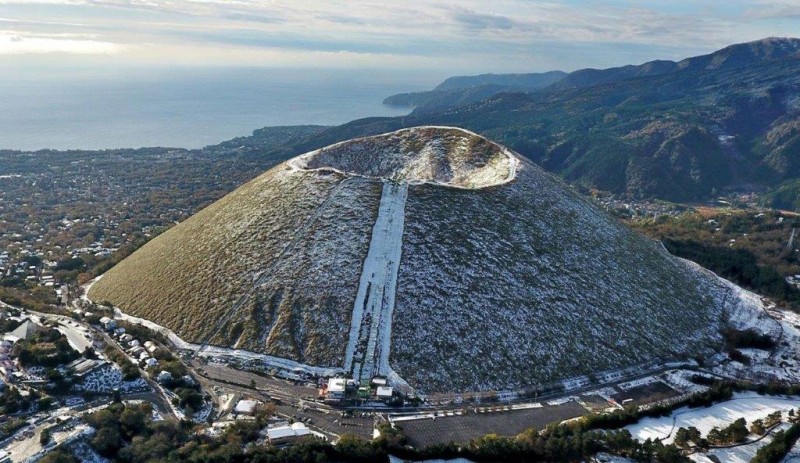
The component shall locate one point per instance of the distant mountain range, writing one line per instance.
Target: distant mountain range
(732, 57)
(672, 130)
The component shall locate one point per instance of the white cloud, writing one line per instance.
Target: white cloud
(385, 32)
(21, 43)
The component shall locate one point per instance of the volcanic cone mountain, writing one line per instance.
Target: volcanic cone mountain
(431, 255)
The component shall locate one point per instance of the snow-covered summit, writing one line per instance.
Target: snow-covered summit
(446, 156)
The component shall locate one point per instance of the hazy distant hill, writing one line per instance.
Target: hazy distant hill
(461, 90)
(521, 81)
(732, 57)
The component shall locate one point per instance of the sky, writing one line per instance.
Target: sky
(445, 36)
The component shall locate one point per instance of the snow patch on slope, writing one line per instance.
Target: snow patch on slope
(740, 309)
(371, 323)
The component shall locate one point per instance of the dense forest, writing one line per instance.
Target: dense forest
(751, 248)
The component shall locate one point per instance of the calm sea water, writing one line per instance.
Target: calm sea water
(186, 108)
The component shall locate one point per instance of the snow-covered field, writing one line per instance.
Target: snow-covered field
(749, 405)
(794, 454)
(738, 454)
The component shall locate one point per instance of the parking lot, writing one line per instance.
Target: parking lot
(645, 394)
(461, 429)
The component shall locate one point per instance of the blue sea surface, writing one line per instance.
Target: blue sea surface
(185, 107)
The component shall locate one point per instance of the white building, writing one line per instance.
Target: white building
(246, 407)
(336, 388)
(164, 376)
(384, 392)
(287, 433)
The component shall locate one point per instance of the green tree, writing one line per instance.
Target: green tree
(737, 431)
(107, 441)
(757, 427)
(58, 456)
(681, 437)
(44, 437)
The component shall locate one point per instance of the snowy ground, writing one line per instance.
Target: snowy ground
(393, 459)
(233, 354)
(738, 454)
(794, 454)
(750, 406)
(371, 324)
(680, 380)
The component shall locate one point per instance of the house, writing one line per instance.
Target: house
(126, 338)
(134, 343)
(164, 376)
(108, 323)
(384, 392)
(286, 434)
(83, 367)
(379, 381)
(7, 369)
(151, 363)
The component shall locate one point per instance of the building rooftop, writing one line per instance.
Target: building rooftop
(282, 432)
(337, 384)
(82, 366)
(246, 406)
(24, 331)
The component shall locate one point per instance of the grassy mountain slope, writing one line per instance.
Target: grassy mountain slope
(202, 278)
(534, 275)
(500, 285)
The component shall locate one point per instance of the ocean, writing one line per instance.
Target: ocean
(186, 108)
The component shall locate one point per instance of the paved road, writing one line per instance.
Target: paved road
(156, 395)
(286, 391)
